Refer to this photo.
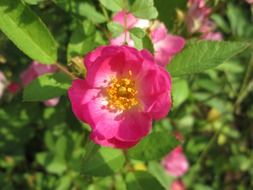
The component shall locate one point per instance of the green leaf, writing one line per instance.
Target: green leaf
(138, 32)
(27, 31)
(199, 56)
(144, 9)
(83, 40)
(90, 12)
(157, 170)
(46, 87)
(114, 5)
(180, 92)
(141, 39)
(153, 147)
(142, 181)
(105, 162)
(147, 44)
(115, 28)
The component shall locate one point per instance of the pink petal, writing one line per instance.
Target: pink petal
(127, 20)
(132, 126)
(80, 93)
(175, 163)
(113, 142)
(156, 96)
(159, 33)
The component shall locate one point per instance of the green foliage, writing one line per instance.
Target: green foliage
(46, 87)
(167, 10)
(202, 55)
(33, 2)
(153, 147)
(106, 161)
(84, 39)
(144, 9)
(115, 28)
(114, 5)
(27, 31)
(142, 181)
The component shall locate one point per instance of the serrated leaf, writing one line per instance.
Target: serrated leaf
(106, 161)
(27, 31)
(203, 55)
(144, 9)
(153, 147)
(142, 181)
(114, 5)
(46, 87)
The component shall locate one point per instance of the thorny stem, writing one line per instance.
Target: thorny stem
(65, 70)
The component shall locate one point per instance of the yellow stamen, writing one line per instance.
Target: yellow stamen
(121, 93)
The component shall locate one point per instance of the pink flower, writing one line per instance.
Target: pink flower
(216, 36)
(250, 1)
(177, 185)
(127, 21)
(175, 163)
(123, 92)
(34, 71)
(198, 20)
(165, 44)
(3, 83)
(197, 15)
(13, 87)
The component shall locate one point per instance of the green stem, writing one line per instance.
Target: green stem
(244, 86)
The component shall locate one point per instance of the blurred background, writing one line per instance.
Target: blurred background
(41, 146)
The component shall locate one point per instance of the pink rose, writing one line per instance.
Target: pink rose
(165, 44)
(124, 90)
(127, 21)
(177, 185)
(175, 163)
(3, 83)
(34, 71)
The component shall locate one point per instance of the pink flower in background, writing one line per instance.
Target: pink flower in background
(3, 82)
(197, 15)
(165, 44)
(177, 185)
(127, 21)
(13, 87)
(34, 71)
(198, 20)
(216, 36)
(175, 163)
(250, 1)
(123, 92)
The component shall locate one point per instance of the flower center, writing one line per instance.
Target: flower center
(121, 93)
